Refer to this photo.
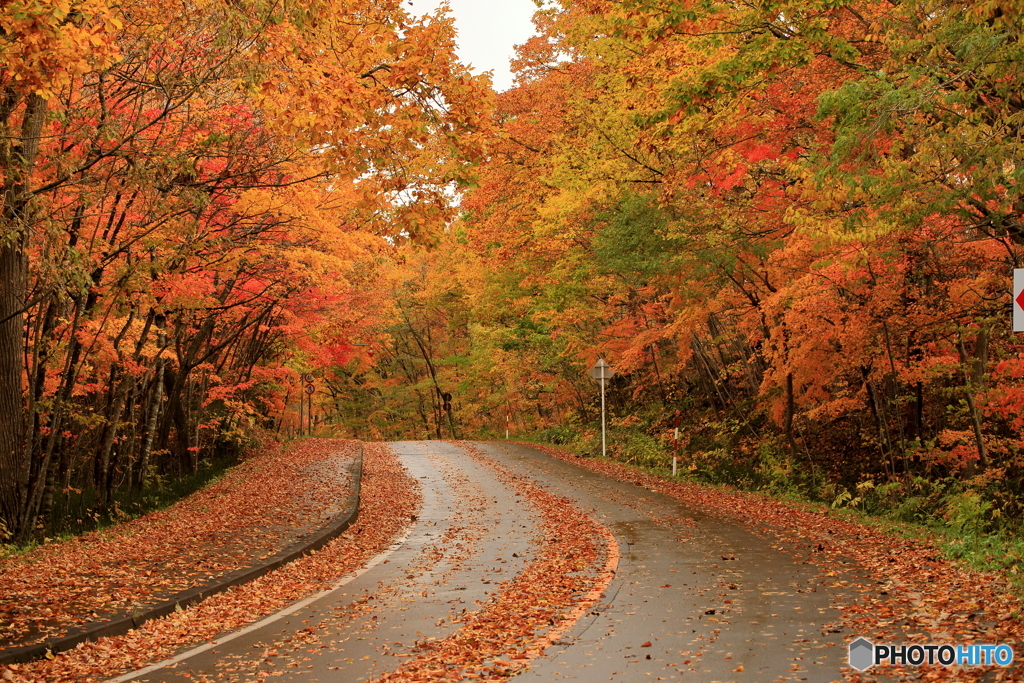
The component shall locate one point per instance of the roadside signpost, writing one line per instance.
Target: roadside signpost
(309, 386)
(675, 444)
(602, 372)
(1018, 299)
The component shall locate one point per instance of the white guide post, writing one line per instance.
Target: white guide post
(675, 442)
(602, 372)
(675, 456)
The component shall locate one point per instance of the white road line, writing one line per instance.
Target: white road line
(286, 612)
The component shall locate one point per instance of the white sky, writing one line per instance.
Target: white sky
(488, 30)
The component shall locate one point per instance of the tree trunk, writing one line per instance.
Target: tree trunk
(790, 410)
(973, 371)
(17, 160)
(104, 485)
(156, 402)
(877, 418)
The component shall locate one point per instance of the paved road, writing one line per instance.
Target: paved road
(716, 602)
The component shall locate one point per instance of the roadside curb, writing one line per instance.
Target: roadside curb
(192, 596)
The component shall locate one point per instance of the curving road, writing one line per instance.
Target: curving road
(694, 598)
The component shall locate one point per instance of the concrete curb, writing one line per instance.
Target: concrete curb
(192, 596)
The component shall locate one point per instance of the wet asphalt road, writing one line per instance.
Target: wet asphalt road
(715, 601)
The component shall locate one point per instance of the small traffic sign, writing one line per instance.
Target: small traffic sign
(310, 388)
(1018, 299)
(308, 377)
(601, 371)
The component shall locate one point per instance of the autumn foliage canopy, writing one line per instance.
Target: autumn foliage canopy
(793, 222)
(194, 200)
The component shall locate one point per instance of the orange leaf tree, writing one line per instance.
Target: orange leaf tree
(192, 206)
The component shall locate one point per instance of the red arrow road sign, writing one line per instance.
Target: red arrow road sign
(1018, 299)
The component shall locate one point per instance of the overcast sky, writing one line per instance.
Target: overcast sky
(488, 30)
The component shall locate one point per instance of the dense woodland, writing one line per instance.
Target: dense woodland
(793, 222)
(195, 201)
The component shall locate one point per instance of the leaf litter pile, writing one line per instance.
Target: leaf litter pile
(254, 511)
(389, 498)
(914, 594)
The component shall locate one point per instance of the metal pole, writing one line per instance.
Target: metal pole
(302, 411)
(602, 414)
(506, 426)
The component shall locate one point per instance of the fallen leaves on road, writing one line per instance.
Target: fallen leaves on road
(577, 560)
(258, 508)
(914, 595)
(389, 498)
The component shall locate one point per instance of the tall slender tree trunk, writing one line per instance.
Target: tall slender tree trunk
(436, 400)
(46, 505)
(17, 159)
(973, 368)
(156, 402)
(883, 443)
(104, 484)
